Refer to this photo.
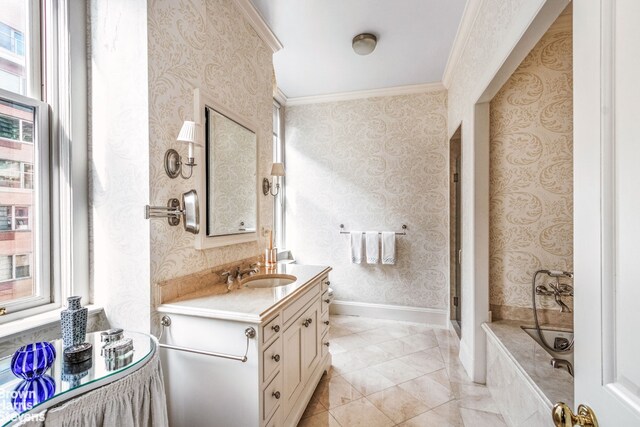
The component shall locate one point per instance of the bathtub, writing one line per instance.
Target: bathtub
(520, 376)
(550, 335)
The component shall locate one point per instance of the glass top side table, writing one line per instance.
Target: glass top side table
(62, 382)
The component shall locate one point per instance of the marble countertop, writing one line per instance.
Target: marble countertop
(554, 385)
(242, 303)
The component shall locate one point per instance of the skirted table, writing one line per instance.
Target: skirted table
(128, 393)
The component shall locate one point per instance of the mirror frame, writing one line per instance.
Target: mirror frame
(202, 240)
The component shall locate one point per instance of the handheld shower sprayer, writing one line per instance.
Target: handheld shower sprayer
(557, 290)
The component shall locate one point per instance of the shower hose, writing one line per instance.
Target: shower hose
(535, 311)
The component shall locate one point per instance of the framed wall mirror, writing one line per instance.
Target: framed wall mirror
(228, 176)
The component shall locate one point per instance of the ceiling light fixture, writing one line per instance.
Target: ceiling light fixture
(364, 44)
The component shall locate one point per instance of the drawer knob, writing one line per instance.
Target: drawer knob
(307, 322)
(327, 300)
(276, 357)
(276, 328)
(276, 394)
(327, 282)
(326, 322)
(327, 343)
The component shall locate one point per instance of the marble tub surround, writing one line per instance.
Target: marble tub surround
(523, 383)
(548, 317)
(243, 303)
(210, 280)
(392, 373)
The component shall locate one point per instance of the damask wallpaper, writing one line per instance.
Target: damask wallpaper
(206, 44)
(372, 164)
(531, 182)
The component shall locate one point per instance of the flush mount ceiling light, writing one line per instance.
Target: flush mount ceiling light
(364, 44)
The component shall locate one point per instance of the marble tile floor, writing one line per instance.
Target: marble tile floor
(390, 373)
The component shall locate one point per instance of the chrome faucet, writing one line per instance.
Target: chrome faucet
(231, 277)
(253, 269)
(561, 363)
(238, 274)
(557, 290)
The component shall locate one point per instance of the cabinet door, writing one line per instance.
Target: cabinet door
(310, 340)
(292, 364)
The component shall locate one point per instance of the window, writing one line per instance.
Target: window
(15, 268)
(40, 198)
(14, 218)
(25, 143)
(278, 156)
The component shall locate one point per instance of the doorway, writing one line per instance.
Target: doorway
(455, 235)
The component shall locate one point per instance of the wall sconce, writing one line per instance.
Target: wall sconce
(276, 170)
(173, 164)
(189, 212)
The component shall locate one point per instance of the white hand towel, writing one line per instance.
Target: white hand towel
(388, 247)
(356, 247)
(373, 245)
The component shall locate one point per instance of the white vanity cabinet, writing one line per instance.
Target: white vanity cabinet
(286, 360)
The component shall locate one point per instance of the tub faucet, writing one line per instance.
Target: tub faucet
(561, 363)
(557, 290)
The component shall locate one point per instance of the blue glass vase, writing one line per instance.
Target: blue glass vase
(32, 360)
(31, 393)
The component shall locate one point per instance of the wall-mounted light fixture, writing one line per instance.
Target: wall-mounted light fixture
(276, 170)
(173, 164)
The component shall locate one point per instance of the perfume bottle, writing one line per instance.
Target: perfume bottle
(73, 321)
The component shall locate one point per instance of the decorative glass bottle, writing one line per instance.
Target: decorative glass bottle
(73, 321)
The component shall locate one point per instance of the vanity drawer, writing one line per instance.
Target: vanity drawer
(271, 397)
(325, 283)
(271, 359)
(325, 322)
(271, 328)
(326, 300)
(289, 312)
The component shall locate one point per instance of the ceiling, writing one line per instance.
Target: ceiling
(414, 40)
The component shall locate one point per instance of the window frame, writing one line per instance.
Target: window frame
(279, 201)
(40, 258)
(57, 75)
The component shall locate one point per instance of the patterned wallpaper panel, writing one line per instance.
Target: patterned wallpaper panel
(206, 44)
(531, 183)
(372, 164)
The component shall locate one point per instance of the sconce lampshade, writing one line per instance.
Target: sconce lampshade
(188, 133)
(277, 169)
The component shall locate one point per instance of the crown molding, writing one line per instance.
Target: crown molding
(469, 15)
(258, 23)
(347, 96)
(280, 97)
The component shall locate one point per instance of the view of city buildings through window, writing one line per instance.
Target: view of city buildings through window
(16, 157)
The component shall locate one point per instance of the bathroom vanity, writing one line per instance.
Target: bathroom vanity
(285, 360)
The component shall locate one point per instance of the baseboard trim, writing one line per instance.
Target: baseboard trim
(430, 316)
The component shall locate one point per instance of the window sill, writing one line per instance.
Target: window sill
(37, 321)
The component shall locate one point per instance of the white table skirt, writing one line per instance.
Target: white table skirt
(137, 400)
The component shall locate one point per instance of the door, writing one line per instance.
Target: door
(310, 348)
(455, 153)
(607, 209)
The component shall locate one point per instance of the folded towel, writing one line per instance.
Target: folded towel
(356, 247)
(373, 245)
(388, 247)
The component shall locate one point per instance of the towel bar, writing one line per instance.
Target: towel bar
(166, 322)
(402, 233)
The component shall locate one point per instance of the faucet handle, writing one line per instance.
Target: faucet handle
(225, 274)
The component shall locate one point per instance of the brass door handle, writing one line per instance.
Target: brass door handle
(563, 416)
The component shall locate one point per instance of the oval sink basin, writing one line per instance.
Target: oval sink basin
(270, 281)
